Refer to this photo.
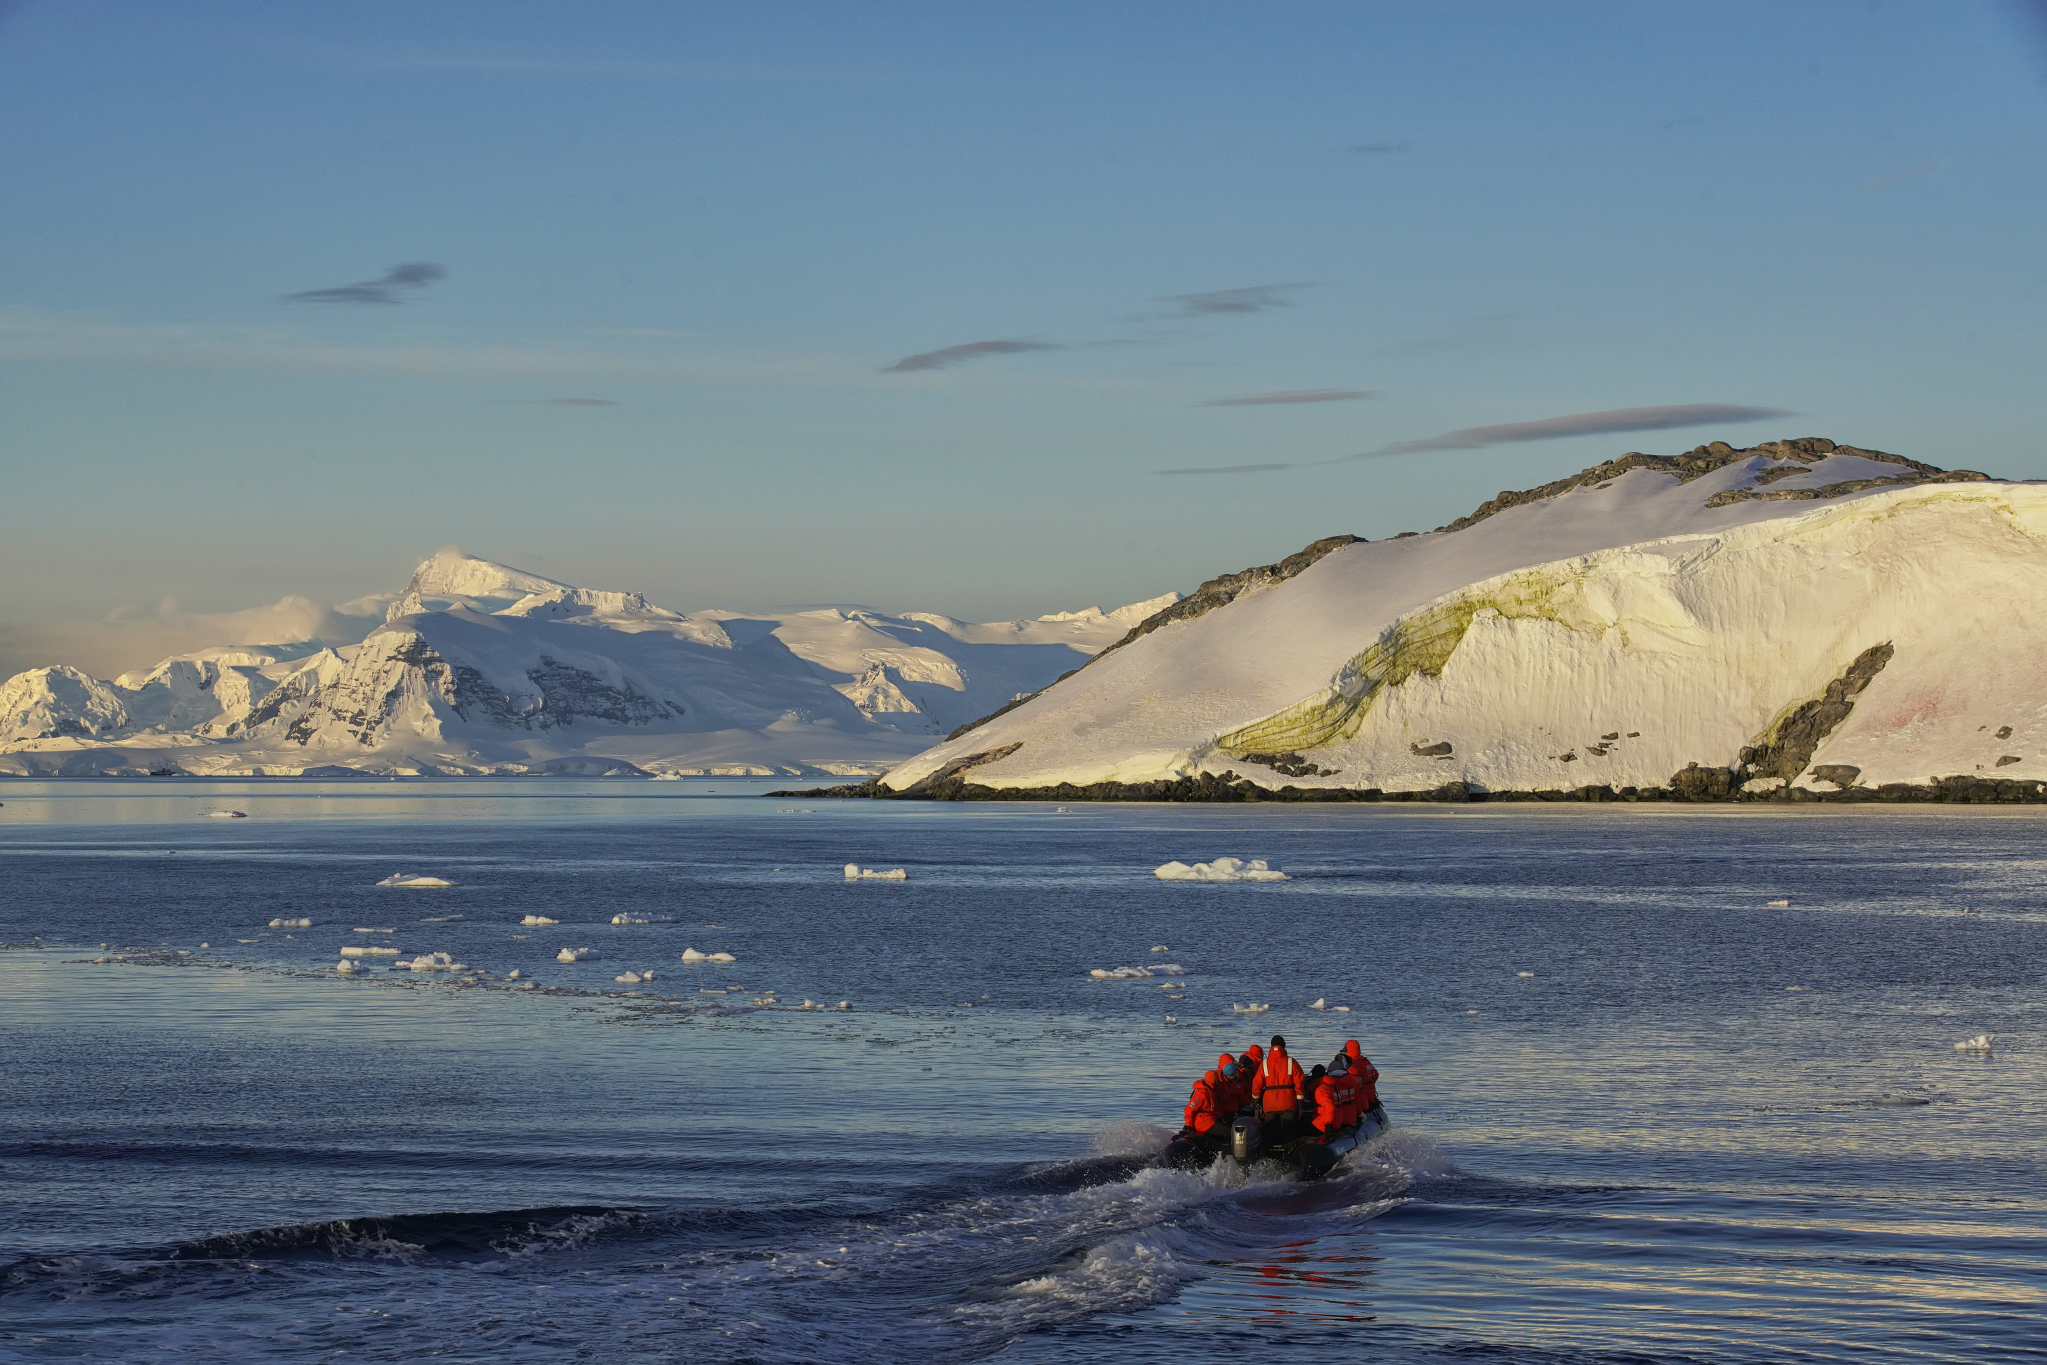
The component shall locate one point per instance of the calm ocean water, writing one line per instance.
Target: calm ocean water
(1642, 1113)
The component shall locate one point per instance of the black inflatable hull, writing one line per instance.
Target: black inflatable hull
(1313, 1158)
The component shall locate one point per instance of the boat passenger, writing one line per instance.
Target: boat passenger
(1278, 1088)
(1365, 1074)
(1203, 1112)
(1328, 1109)
(1232, 1094)
(1346, 1089)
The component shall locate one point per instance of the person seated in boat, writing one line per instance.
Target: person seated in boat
(1231, 1094)
(1278, 1089)
(1322, 1108)
(1345, 1090)
(1365, 1075)
(1203, 1113)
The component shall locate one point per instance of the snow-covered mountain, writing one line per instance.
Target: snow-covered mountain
(483, 668)
(1794, 613)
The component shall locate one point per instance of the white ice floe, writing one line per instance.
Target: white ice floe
(512, 975)
(346, 966)
(407, 879)
(1133, 973)
(1980, 1043)
(352, 951)
(534, 921)
(633, 978)
(845, 1004)
(1777, 905)
(1172, 1019)
(692, 955)
(291, 924)
(1160, 948)
(575, 955)
(643, 919)
(1253, 1008)
(857, 873)
(436, 919)
(228, 814)
(1221, 870)
(435, 962)
(373, 931)
(1524, 973)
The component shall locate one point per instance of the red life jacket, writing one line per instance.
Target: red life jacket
(1202, 1113)
(1365, 1074)
(1346, 1098)
(1280, 1083)
(1328, 1105)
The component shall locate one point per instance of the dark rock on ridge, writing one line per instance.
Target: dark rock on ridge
(1220, 592)
(1787, 746)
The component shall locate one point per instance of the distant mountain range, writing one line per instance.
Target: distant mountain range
(1793, 618)
(480, 668)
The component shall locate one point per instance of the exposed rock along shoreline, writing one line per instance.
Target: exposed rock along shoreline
(1720, 786)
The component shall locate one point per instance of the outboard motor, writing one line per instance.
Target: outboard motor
(1244, 1135)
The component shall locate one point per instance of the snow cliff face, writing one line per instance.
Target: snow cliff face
(484, 668)
(1794, 613)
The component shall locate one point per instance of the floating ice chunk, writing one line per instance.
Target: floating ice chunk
(228, 814)
(1134, 973)
(534, 921)
(512, 975)
(1172, 1019)
(206, 945)
(291, 924)
(1321, 1003)
(346, 966)
(575, 955)
(1221, 870)
(857, 873)
(435, 962)
(1980, 1043)
(1253, 1008)
(643, 919)
(352, 951)
(373, 931)
(407, 879)
(809, 1004)
(1160, 948)
(1777, 905)
(845, 1004)
(1524, 973)
(1339, 1009)
(435, 919)
(629, 979)
(691, 955)
(526, 985)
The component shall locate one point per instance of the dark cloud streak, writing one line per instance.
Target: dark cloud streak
(972, 350)
(1254, 299)
(1291, 396)
(410, 275)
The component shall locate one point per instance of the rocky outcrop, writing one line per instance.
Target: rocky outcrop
(1785, 748)
(1220, 592)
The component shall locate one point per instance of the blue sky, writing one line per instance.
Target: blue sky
(732, 226)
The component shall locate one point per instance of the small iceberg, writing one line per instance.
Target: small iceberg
(1221, 870)
(345, 967)
(1253, 1008)
(228, 814)
(512, 975)
(633, 978)
(857, 873)
(692, 955)
(1133, 973)
(643, 919)
(1980, 1043)
(1777, 905)
(535, 921)
(407, 879)
(373, 931)
(434, 962)
(353, 951)
(1524, 973)
(1321, 1003)
(291, 924)
(1160, 948)
(575, 955)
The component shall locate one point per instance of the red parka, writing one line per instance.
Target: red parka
(1365, 1074)
(1230, 1092)
(1203, 1112)
(1329, 1103)
(1280, 1085)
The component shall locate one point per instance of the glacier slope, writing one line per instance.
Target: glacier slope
(1610, 633)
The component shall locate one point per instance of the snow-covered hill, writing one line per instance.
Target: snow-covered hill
(483, 668)
(1792, 613)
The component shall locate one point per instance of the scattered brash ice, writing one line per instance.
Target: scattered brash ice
(291, 924)
(1133, 973)
(435, 962)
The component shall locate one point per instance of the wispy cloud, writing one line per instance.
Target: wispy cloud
(134, 637)
(1884, 182)
(1256, 298)
(972, 350)
(390, 288)
(1607, 423)
(1377, 148)
(1291, 396)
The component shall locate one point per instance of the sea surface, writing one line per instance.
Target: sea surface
(1668, 1084)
